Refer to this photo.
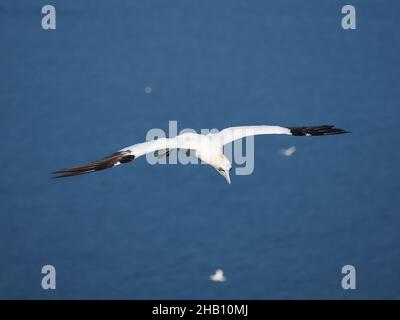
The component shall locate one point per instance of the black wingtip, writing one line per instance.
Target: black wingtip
(105, 163)
(323, 130)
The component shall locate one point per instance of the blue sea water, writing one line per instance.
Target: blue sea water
(77, 93)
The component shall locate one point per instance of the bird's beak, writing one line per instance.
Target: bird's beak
(225, 174)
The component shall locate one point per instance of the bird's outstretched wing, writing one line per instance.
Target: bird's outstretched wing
(127, 155)
(104, 163)
(234, 133)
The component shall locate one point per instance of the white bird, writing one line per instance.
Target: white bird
(218, 276)
(208, 148)
(289, 151)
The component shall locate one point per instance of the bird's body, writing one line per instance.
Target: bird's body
(208, 148)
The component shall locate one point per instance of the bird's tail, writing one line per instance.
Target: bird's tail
(105, 163)
(323, 130)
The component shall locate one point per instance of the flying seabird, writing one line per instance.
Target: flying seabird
(208, 148)
(289, 151)
(218, 276)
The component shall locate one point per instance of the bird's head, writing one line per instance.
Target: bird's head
(223, 166)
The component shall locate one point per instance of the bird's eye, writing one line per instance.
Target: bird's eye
(220, 169)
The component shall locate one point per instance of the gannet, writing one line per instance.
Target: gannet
(289, 151)
(208, 148)
(218, 276)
